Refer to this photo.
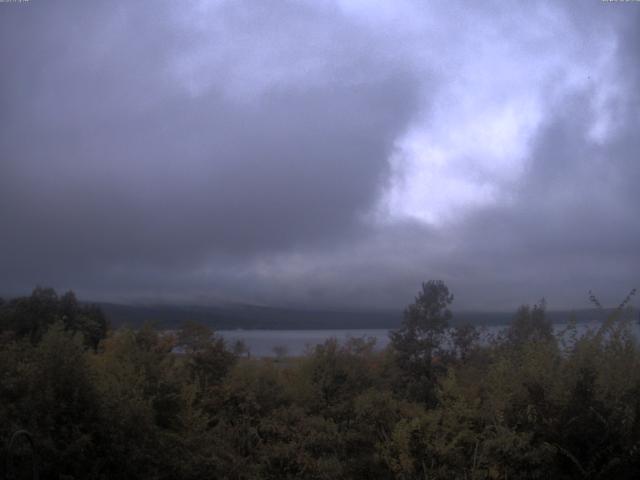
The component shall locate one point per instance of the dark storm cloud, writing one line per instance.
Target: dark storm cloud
(249, 150)
(108, 160)
(567, 225)
(571, 222)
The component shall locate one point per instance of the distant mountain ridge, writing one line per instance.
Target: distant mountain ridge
(274, 318)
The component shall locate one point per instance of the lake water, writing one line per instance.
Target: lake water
(262, 343)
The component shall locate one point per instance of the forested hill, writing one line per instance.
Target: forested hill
(247, 317)
(261, 317)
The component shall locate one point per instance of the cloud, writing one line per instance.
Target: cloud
(114, 157)
(320, 153)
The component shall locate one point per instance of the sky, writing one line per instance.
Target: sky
(321, 153)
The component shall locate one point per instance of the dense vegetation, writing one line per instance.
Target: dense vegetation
(437, 403)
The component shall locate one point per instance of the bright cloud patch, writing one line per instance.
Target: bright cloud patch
(497, 84)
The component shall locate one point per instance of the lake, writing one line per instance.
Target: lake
(261, 343)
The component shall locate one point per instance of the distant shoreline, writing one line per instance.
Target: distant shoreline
(251, 317)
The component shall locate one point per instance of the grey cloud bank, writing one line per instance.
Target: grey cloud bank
(320, 153)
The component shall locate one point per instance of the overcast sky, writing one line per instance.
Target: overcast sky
(321, 153)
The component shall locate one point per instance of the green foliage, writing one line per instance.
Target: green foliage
(158, 405)
(49, 391)
(31, 316)
(206, 358)
(530, 325)
(419, 340)
(465, 339)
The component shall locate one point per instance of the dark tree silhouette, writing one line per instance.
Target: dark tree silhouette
(419, 339)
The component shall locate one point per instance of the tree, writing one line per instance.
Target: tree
(530, 325)
(62, 404)
(464, 339)
(207, 357)
(420, 338)
(86, 319)
(31, 316)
